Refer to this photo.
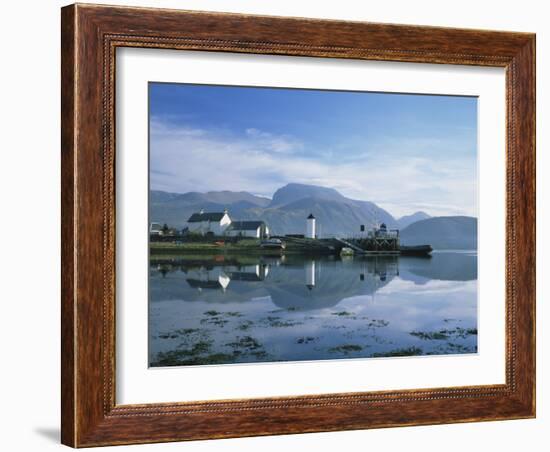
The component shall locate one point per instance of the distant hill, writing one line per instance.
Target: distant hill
(406, 220)
(442, 233)
(286, 213)
(294, 192)
(216, 197)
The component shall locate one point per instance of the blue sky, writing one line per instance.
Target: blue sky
(404, 152)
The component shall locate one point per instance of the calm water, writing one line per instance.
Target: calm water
(237, 309)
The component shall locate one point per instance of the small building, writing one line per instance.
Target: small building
(255, 229)
(310, 226)
(208, 223)
(156, 229)
(383, 232)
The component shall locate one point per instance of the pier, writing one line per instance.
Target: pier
(372, 246)
(380, 240)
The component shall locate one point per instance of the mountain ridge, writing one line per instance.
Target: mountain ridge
(291, 204)
(285, 213)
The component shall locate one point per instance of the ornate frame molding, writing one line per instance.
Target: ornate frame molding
(90, 37)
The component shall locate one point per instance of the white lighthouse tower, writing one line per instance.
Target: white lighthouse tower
(310, 226)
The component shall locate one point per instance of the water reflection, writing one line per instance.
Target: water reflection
(300, 282)
(428, 305)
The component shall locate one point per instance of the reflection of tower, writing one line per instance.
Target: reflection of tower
(223, 280)
(310, 226)
(262, 271)
(310, 274)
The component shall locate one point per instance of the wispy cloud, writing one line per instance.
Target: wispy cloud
(283, 144)
(184, 158)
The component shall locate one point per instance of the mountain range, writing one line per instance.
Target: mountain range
(286, 212)
(457, 232)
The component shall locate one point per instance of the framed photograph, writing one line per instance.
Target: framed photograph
(282, 225)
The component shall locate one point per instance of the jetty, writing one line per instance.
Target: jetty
(351, 245)
(383, 241)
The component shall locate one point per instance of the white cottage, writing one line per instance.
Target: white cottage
(255, 229)
(208, 223)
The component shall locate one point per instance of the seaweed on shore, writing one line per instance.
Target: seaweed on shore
(456, 333)
(183, 356)
(305, 340)
(377, 323)
(343, 314)
(410, 351)
(173, 358)
(429, 335)
(246, 342)
(245, 325)
(346, 348)
(278, 322)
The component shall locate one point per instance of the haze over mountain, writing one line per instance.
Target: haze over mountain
(336, 214)
(404, 221)
(217, 197)
(442, 233)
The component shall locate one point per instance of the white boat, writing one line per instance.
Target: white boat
(273, 243)
(346, 251)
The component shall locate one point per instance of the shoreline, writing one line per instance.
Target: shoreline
(308, 247)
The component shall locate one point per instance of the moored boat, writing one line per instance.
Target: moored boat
(346, 251)
(418, 250)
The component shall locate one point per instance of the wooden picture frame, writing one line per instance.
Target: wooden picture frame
(90, 36)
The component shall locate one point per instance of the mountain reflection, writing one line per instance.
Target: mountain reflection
(298, 282)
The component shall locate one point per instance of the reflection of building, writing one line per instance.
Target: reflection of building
(249, 273)
(380, 268)
(255, 229)
(308, 284)
(203, 278)
(208, 222)
(219, 277)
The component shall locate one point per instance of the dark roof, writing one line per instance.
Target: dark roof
(245, 225)
(243, 276)
(207, 216)
(311, 217)
(199, 284)
(383, 226)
